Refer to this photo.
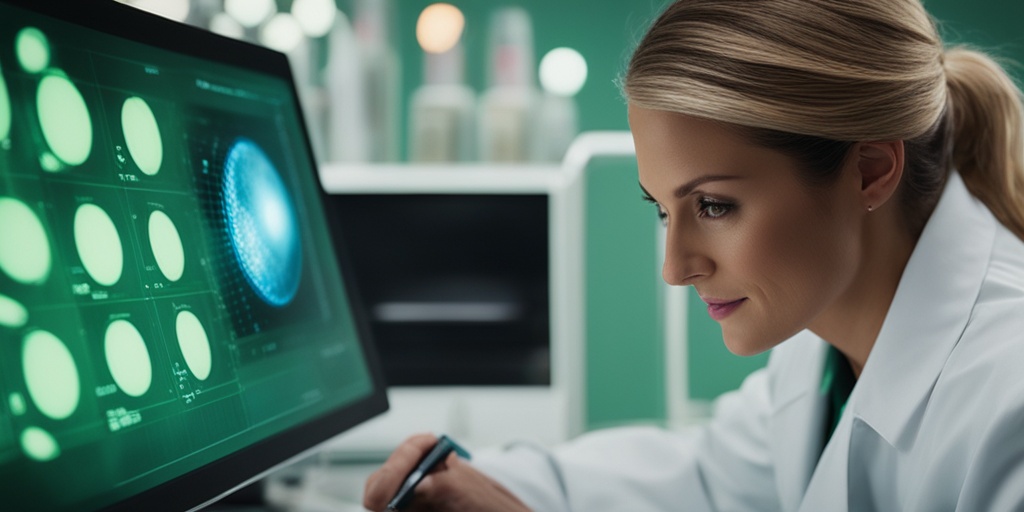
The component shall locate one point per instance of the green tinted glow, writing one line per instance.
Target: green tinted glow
(17, 404)
(24, 248)
(12, 313)
(99, 245)
(65, 119)
(33, 50)
(166, 244)
(195, 346)
(39, 444)
(49, 162)
(142, 135)
(50, 374)
(128, 358)
(5, 109)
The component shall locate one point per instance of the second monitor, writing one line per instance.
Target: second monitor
(465, 273)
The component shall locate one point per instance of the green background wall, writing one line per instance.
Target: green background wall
(625, 358)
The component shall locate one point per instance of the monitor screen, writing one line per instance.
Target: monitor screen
(458, 293)
(173, 317)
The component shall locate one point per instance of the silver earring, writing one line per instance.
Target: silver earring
(870, 207)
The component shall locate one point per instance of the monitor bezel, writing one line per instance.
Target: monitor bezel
(217, 479)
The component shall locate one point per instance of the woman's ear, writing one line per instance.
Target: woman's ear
(880, 166)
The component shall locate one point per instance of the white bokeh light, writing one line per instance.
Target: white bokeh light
(176, 10)
(563, 71)
(222, 23)
(316, 17)
(281, 33)
(250, 13)
(439, 27)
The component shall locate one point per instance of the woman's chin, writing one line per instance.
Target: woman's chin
(746, 345)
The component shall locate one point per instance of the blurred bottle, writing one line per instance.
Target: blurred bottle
(507, 107)
(312, 96)
(563, 72)
(348, 127)
(381, 77)
(442, 110)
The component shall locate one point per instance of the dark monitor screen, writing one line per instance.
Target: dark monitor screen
(173, 317)
(456, 286)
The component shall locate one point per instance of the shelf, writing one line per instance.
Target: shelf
(441, 178)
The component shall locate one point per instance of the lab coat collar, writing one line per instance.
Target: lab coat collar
(798, 417)
(927, 316)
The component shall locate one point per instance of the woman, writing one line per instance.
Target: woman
(839, 188)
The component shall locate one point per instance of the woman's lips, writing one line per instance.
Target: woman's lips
(719, 309)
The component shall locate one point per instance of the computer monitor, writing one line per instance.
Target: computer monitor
(174, 321)
(475, 272)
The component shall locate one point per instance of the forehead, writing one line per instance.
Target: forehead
(681, 147)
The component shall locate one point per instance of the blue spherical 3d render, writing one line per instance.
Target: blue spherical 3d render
(261, 223)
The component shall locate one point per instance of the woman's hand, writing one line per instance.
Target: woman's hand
(454, 486)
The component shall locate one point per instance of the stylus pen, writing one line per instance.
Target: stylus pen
(435, 456)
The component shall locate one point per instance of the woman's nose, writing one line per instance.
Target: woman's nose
(685, 262)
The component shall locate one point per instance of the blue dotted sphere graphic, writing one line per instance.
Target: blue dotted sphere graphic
(261, 223)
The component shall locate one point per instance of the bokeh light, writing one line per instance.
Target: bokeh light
(563, 71)
(281, 33)
(316, 17)
(250, 13)
(222, 23)
(439, 27)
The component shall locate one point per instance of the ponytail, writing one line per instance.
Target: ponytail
(988, 134)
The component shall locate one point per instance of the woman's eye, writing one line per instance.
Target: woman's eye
(714, 209)
(662, 215)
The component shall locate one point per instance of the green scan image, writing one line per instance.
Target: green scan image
(51, 375)
(64, 118)
(142, 135)
(17, 404)
(33, 50)
(39, 444)
(24, 249)
(128, 358)
(166, 244)
(12, 314)
(5, 108)
(194, 344)
(99, 244)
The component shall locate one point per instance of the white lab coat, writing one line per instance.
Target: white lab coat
(935, 422)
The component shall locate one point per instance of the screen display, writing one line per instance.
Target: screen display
(458, 294)
(168, 291)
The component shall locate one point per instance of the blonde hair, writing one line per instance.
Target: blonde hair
(813, 76)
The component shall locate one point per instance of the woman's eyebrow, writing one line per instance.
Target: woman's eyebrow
(687, 188)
